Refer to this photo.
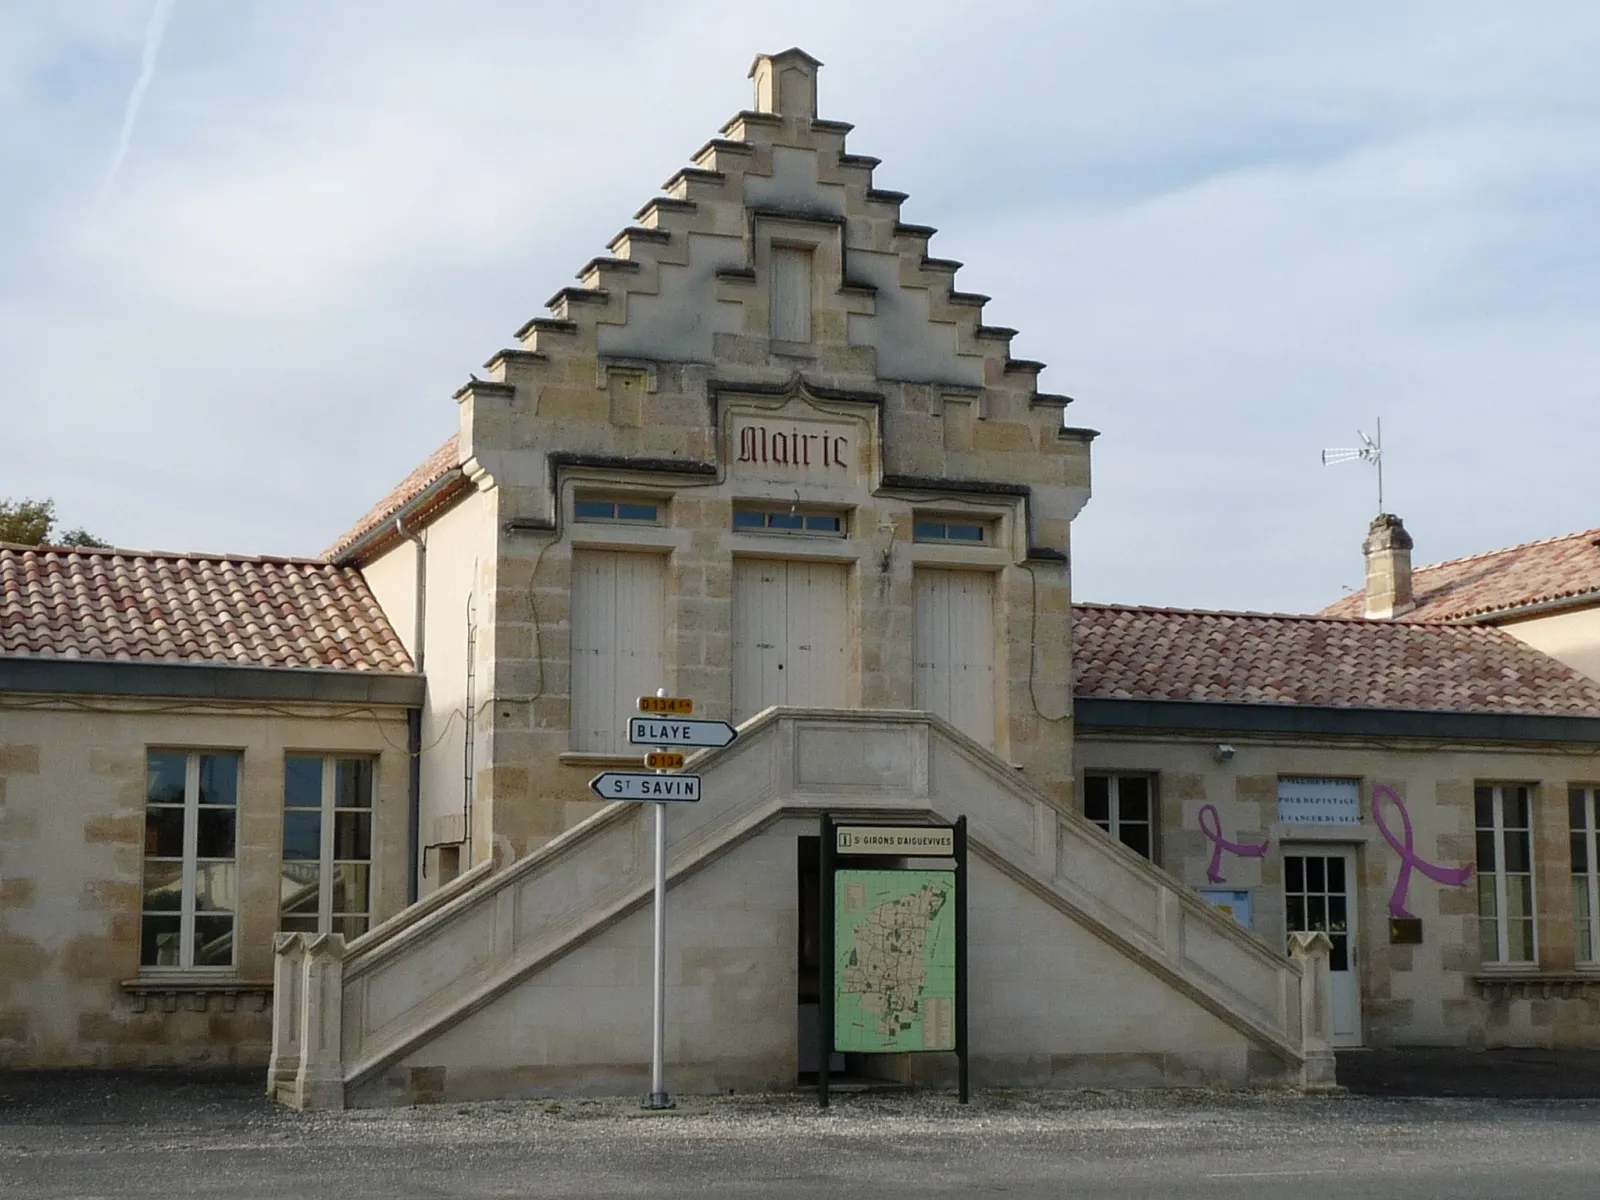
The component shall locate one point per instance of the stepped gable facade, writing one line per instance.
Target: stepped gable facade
(764, 442)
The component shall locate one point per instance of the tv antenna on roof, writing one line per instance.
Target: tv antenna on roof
(1370, 450)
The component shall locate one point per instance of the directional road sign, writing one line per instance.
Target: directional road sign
(641, 785)
(671, 731)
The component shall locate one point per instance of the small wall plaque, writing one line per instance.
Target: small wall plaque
(1405, 931)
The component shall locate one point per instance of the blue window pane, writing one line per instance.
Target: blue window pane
(302, 835)
(219, 779)
(785, 521)
(745, 518)
(213, 941)
(928, 531)
(217, 834)
(823, 524)
(1097, 799)
(595, 510)
(964, 533)
(352, 835)
(159, 941)
(163, 832)
(352, 786)
(164, 778)
(1516, 807)
(636, 512)
(302, 782)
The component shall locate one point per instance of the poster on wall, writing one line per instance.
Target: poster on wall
(1309, 801)
(1229, 902)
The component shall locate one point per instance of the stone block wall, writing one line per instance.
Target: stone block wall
(72, 821)
(1438, 993)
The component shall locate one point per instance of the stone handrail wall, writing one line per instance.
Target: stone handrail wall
(433, 968)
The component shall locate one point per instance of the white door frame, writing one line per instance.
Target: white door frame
(1317, 895)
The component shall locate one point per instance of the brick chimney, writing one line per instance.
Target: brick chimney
(1388, 553)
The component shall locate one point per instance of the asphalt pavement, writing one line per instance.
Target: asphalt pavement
(90, 1135)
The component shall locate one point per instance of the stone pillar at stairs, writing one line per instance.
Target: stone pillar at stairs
(321, 1076)
(288, 966)
(1310, 951)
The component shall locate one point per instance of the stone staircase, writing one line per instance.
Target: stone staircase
(1087, 963)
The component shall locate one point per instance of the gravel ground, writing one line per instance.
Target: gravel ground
(88, 1135)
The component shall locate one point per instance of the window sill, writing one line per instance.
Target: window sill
(1520, 982)
(197, 993)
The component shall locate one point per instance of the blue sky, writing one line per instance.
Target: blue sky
(1237, 232)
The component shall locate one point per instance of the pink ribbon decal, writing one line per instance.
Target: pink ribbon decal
(1213, 832)
(1407, 850)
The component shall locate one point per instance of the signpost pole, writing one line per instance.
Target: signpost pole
(658, 1098)
(961, 955)
(825, 979)
(658, 1031)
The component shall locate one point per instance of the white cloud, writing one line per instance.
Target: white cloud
(1236, 231)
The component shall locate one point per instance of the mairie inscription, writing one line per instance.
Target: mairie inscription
(766, 447)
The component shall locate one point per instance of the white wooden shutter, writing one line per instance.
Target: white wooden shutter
(790, 635)
(954, 649)
(817, 671)
(618, 602)
(760, 602)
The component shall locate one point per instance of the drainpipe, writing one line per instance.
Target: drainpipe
(414, 718)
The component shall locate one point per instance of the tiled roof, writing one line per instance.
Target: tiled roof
(434, 468)
(1516, 577)
(1257, 658)
(137, 606)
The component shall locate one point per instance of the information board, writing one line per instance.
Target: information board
(894, 954)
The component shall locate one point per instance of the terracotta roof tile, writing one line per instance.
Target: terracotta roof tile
(434, 468)
(1516, 577)
(141, 606)
(1259, 658)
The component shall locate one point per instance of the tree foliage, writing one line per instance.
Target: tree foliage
(33, 523)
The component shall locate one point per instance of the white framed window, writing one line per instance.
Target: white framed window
(191, 871)
(754, 518)
(1124, 806)
(617, 512)
(952, 532)
(1584, 809)
(1504, 819)
(325, 879)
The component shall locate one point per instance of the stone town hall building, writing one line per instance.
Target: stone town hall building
(333, 812)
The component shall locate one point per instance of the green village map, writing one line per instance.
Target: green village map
(894, 961)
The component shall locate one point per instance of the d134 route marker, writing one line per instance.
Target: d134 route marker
(677, 706)
(671, 731)
(641, 785)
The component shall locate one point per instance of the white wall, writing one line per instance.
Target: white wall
(1569, 637)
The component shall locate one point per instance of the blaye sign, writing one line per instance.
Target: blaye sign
(667, 731)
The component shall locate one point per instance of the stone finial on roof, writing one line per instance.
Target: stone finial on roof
(1388, 553)
(786, 83)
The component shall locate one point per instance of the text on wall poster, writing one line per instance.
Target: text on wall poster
(792, 446)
